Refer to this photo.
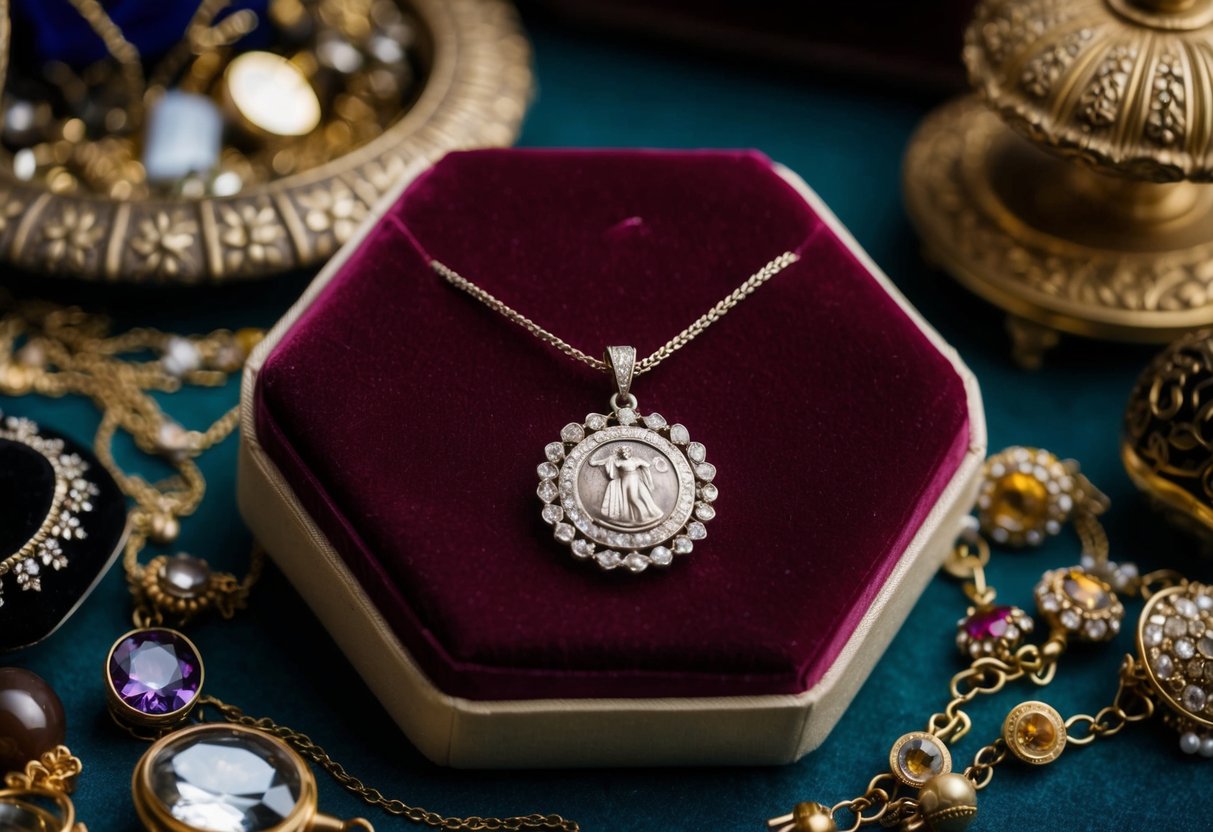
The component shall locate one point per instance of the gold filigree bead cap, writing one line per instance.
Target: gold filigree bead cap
(1167, 442)
(1116, 83)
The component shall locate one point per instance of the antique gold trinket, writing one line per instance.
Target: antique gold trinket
(1166, 446)
(1072, 191)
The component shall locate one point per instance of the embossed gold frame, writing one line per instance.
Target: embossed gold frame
(478, 85)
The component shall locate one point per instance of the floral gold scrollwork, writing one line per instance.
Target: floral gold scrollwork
(69, 239)
(164, 243)
(252, 236)
(480, 99)
(1100, 83)
(332, 213)
(1168, 425)
(1051, 273)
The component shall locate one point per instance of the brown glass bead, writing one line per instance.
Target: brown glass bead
(31, 718)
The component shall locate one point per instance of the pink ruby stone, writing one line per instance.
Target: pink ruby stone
(989, 624)
(155, 671)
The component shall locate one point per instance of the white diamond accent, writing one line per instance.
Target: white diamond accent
(655, 421)
(595, 421)
(1186, 607)
(679, 435)
(706, 471)
(565, 532)
(683, 545)
(697, 452)
(608, 559)
(1095, 629)
(696, 531)
(582, 548)
(709, 493)
(572, 432)
(547, 471)
(1184, 649)
(554, 452)
(704, 512)
(661, 556)
(547, 491)
(626, 416)
(1070, 619)
(552, 514)
(636, 563)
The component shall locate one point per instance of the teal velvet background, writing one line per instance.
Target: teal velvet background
(846, 142)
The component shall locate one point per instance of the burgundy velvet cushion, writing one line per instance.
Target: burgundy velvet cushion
(409, 421)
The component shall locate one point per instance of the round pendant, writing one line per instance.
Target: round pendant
(1175, 643)
(153, 678)
(627, 490)
(227, 778)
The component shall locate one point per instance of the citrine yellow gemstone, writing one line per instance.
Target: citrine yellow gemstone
(1036, 733)
(920, 762)
(1085, 591)
(1019, 502)
(920, 758)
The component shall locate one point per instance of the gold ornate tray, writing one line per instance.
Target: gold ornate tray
(477, 85)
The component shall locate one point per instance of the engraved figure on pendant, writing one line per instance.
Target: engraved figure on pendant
(628, 500)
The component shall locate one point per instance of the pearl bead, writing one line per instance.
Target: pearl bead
(180, 357)
(1189, 743)
(31, 718)
(1206, 747)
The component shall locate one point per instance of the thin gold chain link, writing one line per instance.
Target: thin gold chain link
(676, 343)
(308, 748)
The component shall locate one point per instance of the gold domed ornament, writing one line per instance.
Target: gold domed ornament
(1167, 442)
(1072, 191)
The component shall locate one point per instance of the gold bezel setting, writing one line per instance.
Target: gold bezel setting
(128, 715)
(1059, 597)
(928, 743)
(1175, 644)
(1024, 723)
(157, 817)
(1011, 516)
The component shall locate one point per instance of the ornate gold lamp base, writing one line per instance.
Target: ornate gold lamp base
(1059, 246)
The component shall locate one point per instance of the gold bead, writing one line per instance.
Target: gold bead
(1052, 649)
(948, 803)
(813, 817)
(248, 339)
(165, 528)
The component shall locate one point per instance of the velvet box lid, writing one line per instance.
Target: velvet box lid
(392, 429)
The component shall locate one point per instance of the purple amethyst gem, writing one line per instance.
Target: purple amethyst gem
(155, 671)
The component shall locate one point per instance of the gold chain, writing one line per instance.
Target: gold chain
(676, 343)
(122, 50)
(56, 351)
(307, 748)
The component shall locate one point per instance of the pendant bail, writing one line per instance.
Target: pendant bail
(622, 361)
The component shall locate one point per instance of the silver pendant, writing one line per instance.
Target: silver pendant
(625, 489)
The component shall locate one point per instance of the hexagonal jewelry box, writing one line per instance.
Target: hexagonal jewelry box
(392, 427)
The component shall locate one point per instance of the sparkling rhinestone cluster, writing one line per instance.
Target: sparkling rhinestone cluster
(1026, 495)
(73, 497)
(992, 631)
(634, 551)
(1079, 603)
(1176, 641)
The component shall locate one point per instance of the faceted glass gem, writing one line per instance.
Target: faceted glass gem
(986, 625)
(183, 576)
(1087, 592)
(156, 672)
(224, 780)
(1035, 732)
(1019, 501)
(918, 757)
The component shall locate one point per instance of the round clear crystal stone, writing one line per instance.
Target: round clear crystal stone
(223, 780)
(547, 471)
(1152, 635)
(1194, 698)
(1184, 649)
(636, 562)
(679, 435)
(697, 452)
(572, 432)
(552, 514)
(655, 421)
(1164, 666)
(661, 556)
(1070, 619)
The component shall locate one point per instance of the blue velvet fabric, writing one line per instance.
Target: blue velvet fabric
(847, 142)
(59, 33)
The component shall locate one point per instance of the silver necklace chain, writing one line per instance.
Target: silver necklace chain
(747, 288)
